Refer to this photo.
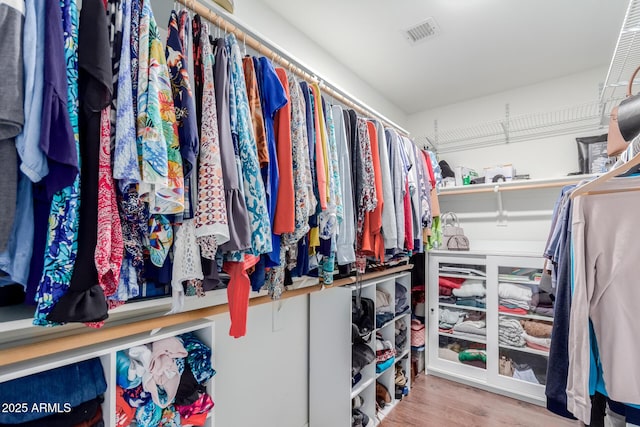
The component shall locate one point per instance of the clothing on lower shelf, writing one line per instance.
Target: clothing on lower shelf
(164, 380)
(67, 386)
(401, 335)
(470, 288)
(478, 327)
(510, 332)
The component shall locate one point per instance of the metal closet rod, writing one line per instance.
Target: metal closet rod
(295, 67)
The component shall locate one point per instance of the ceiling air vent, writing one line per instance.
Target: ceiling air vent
(422, 31)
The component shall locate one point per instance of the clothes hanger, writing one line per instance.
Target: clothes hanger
(591, 187)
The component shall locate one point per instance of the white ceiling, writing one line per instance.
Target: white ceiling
(485, 46)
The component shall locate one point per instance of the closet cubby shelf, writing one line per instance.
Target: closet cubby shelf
(463, 337)
(525, 350)
(362, 386)
(462, 307)
(517, 185)
(402, 355)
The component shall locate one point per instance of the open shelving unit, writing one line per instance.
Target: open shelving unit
(330, 381)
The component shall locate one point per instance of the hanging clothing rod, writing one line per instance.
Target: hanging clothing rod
(284, 60)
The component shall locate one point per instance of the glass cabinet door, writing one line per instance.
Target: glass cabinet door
(459, 317)
(524, 321)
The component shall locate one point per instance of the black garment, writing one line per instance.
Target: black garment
(196, 24)
(558, 362)
(85, 300)
(189, 390)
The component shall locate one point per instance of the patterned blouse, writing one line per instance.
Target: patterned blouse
(177, 59)
(254, 191)
(125, 156)
(62, 237)
(212, 227)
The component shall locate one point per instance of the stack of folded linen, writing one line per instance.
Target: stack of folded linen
(472, 328)
(542, 304)
(471, 293)
(385, 307)
(510, 332)
(449, 318)
(385, 353)
(537, 335)
(514, 299)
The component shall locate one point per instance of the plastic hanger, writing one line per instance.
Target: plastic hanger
(592, 186)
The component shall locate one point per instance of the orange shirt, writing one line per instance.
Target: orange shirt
(321, 167)
(257, 119)
(376, 215)
(285, 221)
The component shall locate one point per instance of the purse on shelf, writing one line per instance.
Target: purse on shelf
(417, 333)
(452, 234)
(624, 121)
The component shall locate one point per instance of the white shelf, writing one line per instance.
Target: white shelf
(379, 374)
(517, 185)
(382, 414)
(463, 337)
(462, 276)
(403, 354)
(527, 316)
(526, 350)
(462, 307)
(360, 387)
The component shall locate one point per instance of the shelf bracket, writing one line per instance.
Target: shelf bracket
(505, 124)
(501, 214)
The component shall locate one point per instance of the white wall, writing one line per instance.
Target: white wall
(261, 18)
(543, 158)
(262, 378)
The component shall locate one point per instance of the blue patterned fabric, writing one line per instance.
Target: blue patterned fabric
(136, 397)
(62, 238)
(125, 163)
(177, 59)
(148, 415)
(199, 358)
(254, 191)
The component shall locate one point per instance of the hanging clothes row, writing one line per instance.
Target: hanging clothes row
(147, 167)
(592, 259)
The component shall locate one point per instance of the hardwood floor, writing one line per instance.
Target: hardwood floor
(436, 402)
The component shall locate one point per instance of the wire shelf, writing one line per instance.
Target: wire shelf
(626, 56)
(585, 117)
(588, 117)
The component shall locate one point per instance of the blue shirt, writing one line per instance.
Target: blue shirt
(16, 258)
(272, 98)
(34, 161)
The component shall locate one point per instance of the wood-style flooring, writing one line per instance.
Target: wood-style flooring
(436, 402)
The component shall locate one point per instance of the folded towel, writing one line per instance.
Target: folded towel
(542, 342)
(537, 347)
(537, 329)
(504, 309)
(471, 289)
(514, 303)
(450, 316)
(472, 327)
(450, 282)
(511, 290)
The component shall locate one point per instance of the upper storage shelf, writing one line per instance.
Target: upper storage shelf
(495, 187)
(569, 120)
